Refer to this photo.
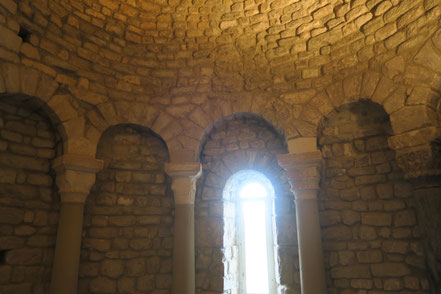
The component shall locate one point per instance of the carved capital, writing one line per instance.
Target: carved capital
(304, 173)
(420, 161)
(184, 177)
(75, 175)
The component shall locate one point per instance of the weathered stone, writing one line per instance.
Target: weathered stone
(351, 272)
(376, 219)
(112, 268)
(389, 269)
(24, 256)
(102, 285)
(10, 40)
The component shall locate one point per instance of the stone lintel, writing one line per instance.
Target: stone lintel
(184, 177)
(75, 175)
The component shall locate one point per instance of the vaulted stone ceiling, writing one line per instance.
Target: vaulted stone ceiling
(172, 65)
(240, 44)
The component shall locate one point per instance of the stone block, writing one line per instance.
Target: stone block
(370, 179)
(29, 79)
(385, 191)
(145, 283)
(350, 217)
(401, 247)
(389, 269)
(9, 215)
(338, 232)
(369, 84)
(412, 283)
(351, 272)
(11, 75)
(367, 233)
(122, 221)
(136, 267)
(126, 284)
(405, 218)
(370, 256)
(112, 268)
(376, 219)
(17, 289)
(102, 285)
(429, 57)
(163, 281)
(46, 88)
(89, 269)
(352, 86)
(97, 244)
(10, 39)
(362, 284)
(24, 257)
(411, 117)
(7, 176)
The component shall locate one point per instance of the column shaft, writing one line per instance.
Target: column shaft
(310, 249)
(184, 256)
(75, 177)
(304, 175)
(184, 176)
(67, 252)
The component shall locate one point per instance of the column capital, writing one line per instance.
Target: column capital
(303, 170)
(184, 176)
(420, 161)
(75, 175)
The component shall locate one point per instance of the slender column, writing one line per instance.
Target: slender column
(304, 175)
(75, 177)
(184, 176)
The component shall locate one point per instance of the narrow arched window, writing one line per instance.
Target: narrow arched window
(253, 196)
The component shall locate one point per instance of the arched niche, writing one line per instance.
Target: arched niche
(369, 226)
(237, 143)
(29, 201)
(127, 234)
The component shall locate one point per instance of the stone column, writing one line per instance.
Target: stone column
(75, 175)
(184, 176)
(303, 171)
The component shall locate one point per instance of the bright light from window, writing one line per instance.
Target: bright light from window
(253, 202)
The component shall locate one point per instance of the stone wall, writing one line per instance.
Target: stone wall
(127, 239)
(28, 200)
(369, 226)
(234, 144)
(428, 205)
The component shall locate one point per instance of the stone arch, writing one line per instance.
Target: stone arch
(235, 115)
(167, 127)
(30, 202)
(365, 199)
(238, 142)
(59, 106)
(128, 225)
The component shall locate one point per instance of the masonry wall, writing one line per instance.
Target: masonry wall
(127, 239)
(234, 144)
(369, 226)
(28, 200)
(428, 205)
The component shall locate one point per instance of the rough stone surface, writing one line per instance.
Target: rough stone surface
(128, 216)
(368, 221)
(235, 144)
(29, 202)
(177, 66)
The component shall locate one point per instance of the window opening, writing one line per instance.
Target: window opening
(253, 195)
